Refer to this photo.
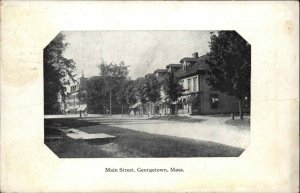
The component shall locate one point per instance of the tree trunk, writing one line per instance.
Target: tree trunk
(241, 108)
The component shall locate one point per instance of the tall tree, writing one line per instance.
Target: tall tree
(96, 96)
(152, 88)
(229, 65)
(140, 90)
(171, 88)
(114, 77)
(113, 70)
(58, 71)
(125, 96)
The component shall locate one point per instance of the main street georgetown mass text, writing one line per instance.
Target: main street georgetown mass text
(149, 170)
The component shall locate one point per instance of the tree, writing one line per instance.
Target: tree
(114, 70)
(140, 91)
(171, 88)
(114, 77)
(152, 88)
(97, 96)
(125, 95)
(58, 71)
(229, 65)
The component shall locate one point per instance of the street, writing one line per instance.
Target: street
(197, 136)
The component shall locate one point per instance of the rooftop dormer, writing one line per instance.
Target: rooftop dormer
(188, 61)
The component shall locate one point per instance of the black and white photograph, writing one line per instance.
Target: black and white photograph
(147, 94)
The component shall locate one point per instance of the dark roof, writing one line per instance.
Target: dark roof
(188, 59)
(160, 70)
(193, 68)
(149, 74)
(174, 65)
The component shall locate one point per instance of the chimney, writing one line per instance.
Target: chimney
(195, 55)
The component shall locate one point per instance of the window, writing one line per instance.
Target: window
(189, 85)
(214, 101)
(181, 83)
(195, 84)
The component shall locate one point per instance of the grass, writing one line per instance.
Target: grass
(185, 119)
(128, 143)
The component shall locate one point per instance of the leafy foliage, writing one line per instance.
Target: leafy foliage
(126, 93)
(152, 88)
(58, 71)
(140, 89)
(113, 70)
(113, 82)
(96, 97)
(229, 64)
(171, 87)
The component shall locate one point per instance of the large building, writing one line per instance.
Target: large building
(197, 97)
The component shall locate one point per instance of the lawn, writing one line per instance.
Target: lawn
(128, 143)
(185, 119)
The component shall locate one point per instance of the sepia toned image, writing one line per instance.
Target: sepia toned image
(147, 94)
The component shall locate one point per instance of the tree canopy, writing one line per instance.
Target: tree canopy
(152, 88)
(229, 64)
(140, 90)
(113, 83)
(171, 87)
(113, 70)
(58, 71)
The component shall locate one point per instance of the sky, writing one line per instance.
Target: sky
(143, 51)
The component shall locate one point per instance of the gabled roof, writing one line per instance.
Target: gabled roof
(193, 68)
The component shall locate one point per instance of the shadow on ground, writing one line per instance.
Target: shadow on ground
(128, 143)
(239, 123)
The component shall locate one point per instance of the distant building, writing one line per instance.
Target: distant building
(72, 103)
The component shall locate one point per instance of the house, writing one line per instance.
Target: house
(197, 97)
